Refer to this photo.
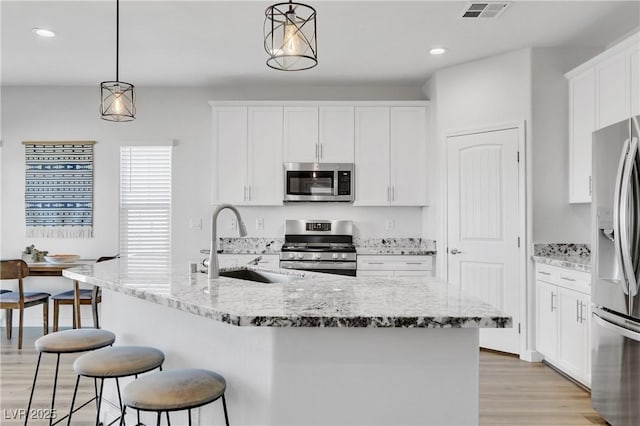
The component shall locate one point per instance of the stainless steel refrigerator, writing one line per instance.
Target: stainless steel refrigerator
(615, 213)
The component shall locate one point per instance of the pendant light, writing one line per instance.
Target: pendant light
(117, 98)
(290, 36)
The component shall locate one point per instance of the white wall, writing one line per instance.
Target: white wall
(554, 219)
(182, 115)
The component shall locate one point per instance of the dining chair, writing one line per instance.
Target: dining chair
(87, 297)
(16, 270)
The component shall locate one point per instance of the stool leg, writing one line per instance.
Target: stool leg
(99, 402)
(55, 384)
(158, 421)
(33, 387)
(122, 414)
(168, 419)
(73, 399)
(9, 318)
(56, 314)
(45, 317)
(138, 416)
(224, 406)
(189, 417)
(119, 397)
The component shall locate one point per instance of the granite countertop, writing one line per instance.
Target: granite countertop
(407, 251)
(316, 300)
(578, 263)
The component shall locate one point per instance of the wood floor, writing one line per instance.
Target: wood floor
(512, 392)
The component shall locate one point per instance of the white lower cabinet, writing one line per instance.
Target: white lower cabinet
(394, 266)
(563, 312)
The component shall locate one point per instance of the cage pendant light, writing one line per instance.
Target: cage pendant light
(117, 98)
(290, 36)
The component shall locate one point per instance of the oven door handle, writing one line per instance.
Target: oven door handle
(317, 265)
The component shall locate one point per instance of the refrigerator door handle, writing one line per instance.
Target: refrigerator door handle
(624, 219)
(633, 335)
(616, 215)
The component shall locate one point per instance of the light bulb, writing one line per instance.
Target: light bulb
(118, 106)
(291, 45)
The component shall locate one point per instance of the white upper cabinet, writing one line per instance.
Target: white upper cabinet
(229, 154)
(336, 134)
(372, 156)
(602, 91)
(408, 156)
(301, 134)
(613, 80)
(390, 156)
(582, 122)
(247, 151)
(265, 172)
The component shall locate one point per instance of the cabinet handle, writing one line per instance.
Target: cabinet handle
(567, 279)
(590, 186)
(249, 193)
(388, 193)
(544, 273)
(578, 311)
(552, 296)
(244, 197)
(375, 263)
(582, 318)
(413, 263)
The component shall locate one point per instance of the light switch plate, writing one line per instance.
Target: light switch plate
(389, 224)
(259, 224)
(234, 224)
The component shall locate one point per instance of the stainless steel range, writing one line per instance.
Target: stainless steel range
(319, 246)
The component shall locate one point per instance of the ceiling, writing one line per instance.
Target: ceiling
(210, 43)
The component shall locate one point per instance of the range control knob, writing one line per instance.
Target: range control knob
(335, 255)
(316, 256)
(300, 255)
(292, 255)
(344, 255)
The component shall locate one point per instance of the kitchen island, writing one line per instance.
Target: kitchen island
(312, 349)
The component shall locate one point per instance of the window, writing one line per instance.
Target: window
(145, 206)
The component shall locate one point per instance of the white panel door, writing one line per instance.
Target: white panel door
(582, 122)
(408, 148)
(265, 173)
(372, 156)
(546, 319)
(230, 154)
(300, 134)
(614, 90)
(635, 81)
(483, 223)
(336, 134)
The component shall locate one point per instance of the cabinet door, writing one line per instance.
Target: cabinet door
(336, 134)
(408, 149)
(635, 81)
(573, 339)
(300, 134)
(546, 319)
(614, 87)
(582, 120)
(265, 180)
(372, 156)
(412, 274)
(366, 273)
(229, 154)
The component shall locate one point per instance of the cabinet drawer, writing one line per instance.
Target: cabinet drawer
(574, 280)
(547, 273)
(395, 263)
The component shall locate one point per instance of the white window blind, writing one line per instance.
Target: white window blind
(145, 206)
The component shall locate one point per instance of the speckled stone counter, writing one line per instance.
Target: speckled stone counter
(284, 346)
(571, 256)
(395, 246)
(313, 300)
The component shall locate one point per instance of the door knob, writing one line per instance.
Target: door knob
(455, 251)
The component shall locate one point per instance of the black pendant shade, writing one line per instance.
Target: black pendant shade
(290, 36)
(117, 98)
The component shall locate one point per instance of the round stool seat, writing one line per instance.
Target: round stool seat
(174, 390)
(118, 361)
(77, 340)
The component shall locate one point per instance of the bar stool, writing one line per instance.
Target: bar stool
(113, 363)
(67, 341)
(174, 390)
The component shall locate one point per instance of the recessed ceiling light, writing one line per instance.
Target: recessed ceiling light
(437, 50)
(43, 32)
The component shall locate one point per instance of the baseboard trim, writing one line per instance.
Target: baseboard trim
(532, 356)
(567, 376)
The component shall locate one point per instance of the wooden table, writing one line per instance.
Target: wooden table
(46, 269)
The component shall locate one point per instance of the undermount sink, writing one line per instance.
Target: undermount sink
(258, 276)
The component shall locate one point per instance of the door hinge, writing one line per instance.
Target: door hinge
(518, 328)
(518, 156)
(518, 242)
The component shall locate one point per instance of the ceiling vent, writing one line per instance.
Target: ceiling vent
(484, 10)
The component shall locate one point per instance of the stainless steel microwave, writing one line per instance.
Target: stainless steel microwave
(319, 182)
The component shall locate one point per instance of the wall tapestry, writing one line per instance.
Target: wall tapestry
(59, 189)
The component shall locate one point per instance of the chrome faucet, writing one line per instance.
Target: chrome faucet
(214, 267)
